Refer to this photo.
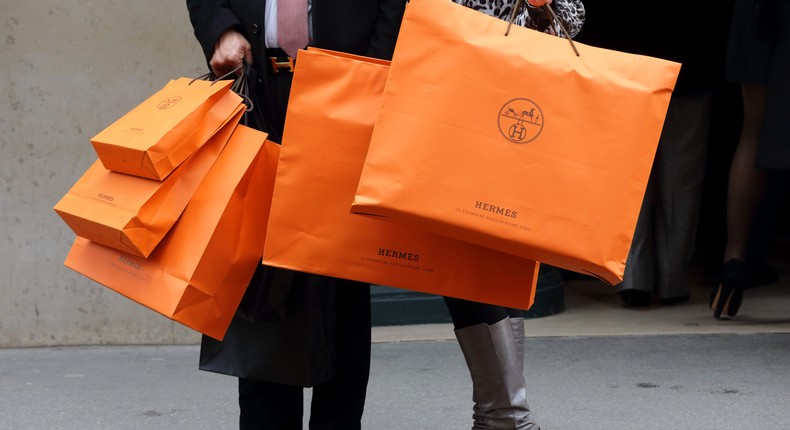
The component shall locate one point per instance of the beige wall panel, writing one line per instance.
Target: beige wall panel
(67, 70)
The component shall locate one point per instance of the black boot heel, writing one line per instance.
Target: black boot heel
(727, 297)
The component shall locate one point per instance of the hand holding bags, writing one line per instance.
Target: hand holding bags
(332, 107)
(198, 273)
(156, 136)
(513, 142)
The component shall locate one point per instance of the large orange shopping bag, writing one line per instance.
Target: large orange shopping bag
(198, 274)
(133, 214)
(514, 142)
(332, 107)
(157, 135)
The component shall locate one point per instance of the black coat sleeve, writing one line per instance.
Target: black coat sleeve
(210, 18)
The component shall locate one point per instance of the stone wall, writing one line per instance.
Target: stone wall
(67, 70)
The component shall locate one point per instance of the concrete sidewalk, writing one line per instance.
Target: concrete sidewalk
(697, 382)
(595, 366)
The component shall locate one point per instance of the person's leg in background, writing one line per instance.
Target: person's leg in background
(665, 233)
(744, 192)
(679, 194)
(640, 269)
(493, 346)
(746, 182)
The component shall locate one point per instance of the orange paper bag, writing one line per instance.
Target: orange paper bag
(198, 274)
(156, 136)
(133, 214)
(514, 142)
(332, 107)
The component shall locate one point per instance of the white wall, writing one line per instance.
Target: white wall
(67, 70)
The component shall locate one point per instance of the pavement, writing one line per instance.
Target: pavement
(597, 365)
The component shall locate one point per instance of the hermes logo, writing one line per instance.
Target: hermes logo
(105, 197)
(496, 209)
(129, 262)
(520, 121)
(391, 253)
(167, 104)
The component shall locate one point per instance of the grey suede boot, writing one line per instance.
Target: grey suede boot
(496, 367)
(518, 334)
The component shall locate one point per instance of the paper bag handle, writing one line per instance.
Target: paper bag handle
(240, 84)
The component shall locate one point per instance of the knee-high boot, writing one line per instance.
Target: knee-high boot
(517, 324)
(496, 367)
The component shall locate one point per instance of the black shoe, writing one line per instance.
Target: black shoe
(636, 298)
(728, 295)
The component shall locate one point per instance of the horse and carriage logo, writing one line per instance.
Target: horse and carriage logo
(168, 103)
(520, 120)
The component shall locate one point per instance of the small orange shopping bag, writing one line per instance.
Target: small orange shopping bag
(156, 136)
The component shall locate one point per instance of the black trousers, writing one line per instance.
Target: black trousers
(337, 404)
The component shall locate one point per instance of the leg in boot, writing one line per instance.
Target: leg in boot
(517, 323)
(491, 354)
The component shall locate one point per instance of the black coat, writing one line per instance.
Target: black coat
(363, 27)
(287, 328)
